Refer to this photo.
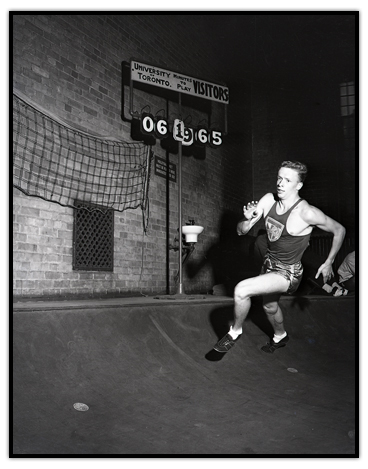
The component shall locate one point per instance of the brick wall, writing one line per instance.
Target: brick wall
(71, 65)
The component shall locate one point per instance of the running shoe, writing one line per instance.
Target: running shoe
(225, 344)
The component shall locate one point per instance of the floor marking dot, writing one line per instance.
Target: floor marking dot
(81, 407)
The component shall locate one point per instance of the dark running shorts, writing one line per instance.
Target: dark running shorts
(291, 272)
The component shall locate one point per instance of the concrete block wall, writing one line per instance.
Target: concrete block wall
(71, 66)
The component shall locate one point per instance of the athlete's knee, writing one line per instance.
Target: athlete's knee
(242, 291)
(270, 308)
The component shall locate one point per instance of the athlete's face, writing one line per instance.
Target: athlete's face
(288, 183)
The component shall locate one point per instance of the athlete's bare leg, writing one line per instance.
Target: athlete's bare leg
(274, 314)
(265, 285)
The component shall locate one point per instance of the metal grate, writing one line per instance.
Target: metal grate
(93, 243)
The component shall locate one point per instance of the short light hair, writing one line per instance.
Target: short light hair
(300, 168)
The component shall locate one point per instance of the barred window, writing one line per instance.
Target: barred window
(347, 98)
(347, 106)
(93, 238)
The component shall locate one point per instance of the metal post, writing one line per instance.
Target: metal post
(180, 289)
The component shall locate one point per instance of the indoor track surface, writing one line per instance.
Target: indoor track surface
(153, 387)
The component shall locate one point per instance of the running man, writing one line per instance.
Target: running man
(289, 222)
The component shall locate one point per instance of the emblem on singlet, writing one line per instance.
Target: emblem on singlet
(274, 229)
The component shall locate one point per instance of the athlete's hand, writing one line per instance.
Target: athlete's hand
(250, 210)
(326, 271)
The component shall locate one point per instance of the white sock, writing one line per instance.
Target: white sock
(327, 288)
(277, 338)
(234, 334)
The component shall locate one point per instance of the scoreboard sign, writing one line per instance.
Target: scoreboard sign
(173, 81)
(159, 127)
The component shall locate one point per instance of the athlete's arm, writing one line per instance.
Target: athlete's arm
(314, 216)
(253, 212)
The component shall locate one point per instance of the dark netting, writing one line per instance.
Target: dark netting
(60, 164)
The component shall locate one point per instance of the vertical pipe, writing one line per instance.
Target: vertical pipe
(180, 285)
(167, 214)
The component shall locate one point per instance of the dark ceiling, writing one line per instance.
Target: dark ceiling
(283, 47)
